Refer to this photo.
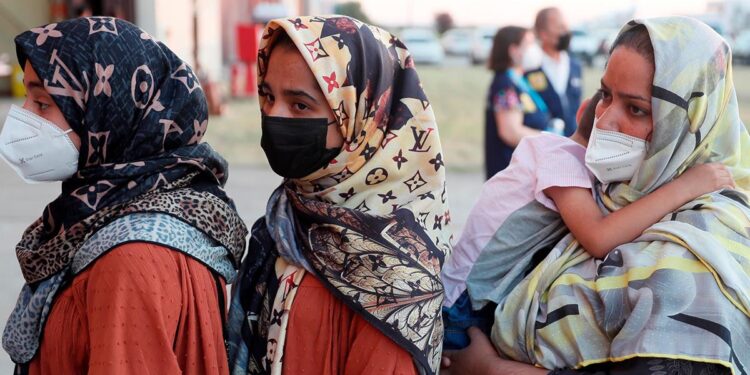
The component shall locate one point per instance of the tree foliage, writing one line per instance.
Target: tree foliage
(352, 9)
(443, 22)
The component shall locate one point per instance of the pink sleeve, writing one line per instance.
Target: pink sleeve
(560, 166)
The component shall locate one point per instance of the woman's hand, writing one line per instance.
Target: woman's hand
(481, 358)
(477, 358)
(706, 178)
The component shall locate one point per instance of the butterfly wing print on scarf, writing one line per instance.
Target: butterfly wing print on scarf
(384, 266)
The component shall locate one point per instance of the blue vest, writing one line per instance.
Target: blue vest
(560, 107)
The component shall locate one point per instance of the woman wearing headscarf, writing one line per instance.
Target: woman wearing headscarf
(126, 269)
(342, 273)
(676, 299)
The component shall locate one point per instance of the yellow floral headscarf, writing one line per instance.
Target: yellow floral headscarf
(682, 288)
(694, 109)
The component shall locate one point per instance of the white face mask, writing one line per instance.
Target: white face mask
(37, 149)
(612, 156)
(532, 57)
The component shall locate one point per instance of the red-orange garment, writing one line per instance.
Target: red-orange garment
(139, 309)
(324, 336)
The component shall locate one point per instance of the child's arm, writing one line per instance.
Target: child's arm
(599, 234)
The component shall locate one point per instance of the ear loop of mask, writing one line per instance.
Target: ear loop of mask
(335, 122)
(64, 133)
(67, 137)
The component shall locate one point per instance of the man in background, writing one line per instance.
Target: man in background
(558, 79)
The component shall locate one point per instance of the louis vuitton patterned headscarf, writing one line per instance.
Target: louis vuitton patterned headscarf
(392, 157)
(141, 114)
(372, 225)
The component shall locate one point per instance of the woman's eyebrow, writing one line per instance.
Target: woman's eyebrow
(634, 96)
(604, 86)
(300, 93)
(293, 93)
(625, 94)
(34, 85)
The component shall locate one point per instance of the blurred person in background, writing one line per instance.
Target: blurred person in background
(513, 110)
(558, 77)
(82, 10)
(126, 269)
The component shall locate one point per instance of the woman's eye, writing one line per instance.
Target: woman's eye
(42, 106)
(637, 111)
(265, 94)
(300, 106)
(605, 95)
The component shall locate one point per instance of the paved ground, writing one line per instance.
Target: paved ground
(250, 186)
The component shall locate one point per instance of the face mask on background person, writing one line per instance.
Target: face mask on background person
(296, 147)
(36, 149)
(532, 57)
(613, 156)
(563, 41)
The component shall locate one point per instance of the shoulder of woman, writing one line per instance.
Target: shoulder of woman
(501, 81)
(132, 259)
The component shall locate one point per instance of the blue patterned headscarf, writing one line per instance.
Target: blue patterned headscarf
(141, 114)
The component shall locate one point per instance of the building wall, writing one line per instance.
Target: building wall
(209, 37)
(17, 16)
(171, 21)
(233, 12)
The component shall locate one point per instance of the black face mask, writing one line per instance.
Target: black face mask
(563, 42)
(296, 147)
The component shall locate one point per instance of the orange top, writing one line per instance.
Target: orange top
(326, 337)
(139, 309)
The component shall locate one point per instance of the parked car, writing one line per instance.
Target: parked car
(585, 46)
(741, 47)
(592, 44)
(457, 41)
(423, 46)
(482, 45)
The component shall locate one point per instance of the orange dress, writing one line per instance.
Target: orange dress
(138, 309)
(324, 336)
